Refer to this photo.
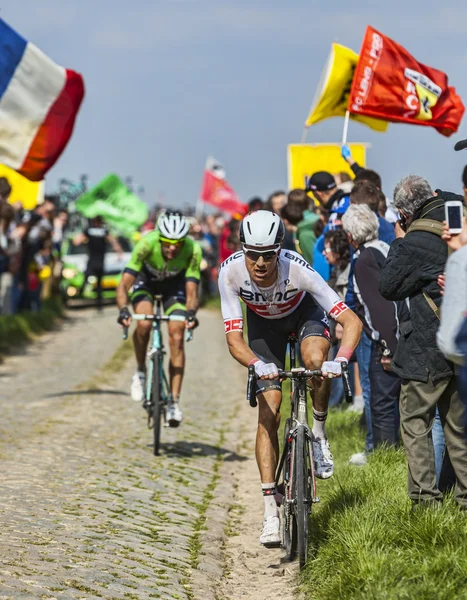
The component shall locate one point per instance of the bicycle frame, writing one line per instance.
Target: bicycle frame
(298, 416)
(157, 347)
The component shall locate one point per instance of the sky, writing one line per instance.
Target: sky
(169, 82)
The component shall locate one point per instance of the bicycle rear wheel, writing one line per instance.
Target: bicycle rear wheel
(156, 402)
(303, 494)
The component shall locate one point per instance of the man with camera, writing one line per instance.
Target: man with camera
(416, 259)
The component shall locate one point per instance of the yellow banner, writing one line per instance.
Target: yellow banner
(332, 95)
(29, 193)
(305, 159)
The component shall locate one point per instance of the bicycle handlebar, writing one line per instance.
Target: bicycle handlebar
(296, 374)
(179, 318)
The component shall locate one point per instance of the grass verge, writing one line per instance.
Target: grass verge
(20, 328)
(365, 540)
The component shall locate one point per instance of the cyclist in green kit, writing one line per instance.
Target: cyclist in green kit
(164, 262)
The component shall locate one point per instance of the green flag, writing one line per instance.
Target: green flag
(114, 202)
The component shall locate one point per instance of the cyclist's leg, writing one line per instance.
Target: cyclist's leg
(174, 304)
(143, 304)
(268, 340)
(142, 299)
(314, 340)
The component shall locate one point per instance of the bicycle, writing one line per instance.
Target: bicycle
(157, 396)
(295, 474)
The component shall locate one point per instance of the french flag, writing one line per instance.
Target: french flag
(39, 101)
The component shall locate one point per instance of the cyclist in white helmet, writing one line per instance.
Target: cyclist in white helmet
(165, 262)
(283, 295)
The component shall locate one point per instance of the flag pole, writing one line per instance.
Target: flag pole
(304, 134)
(346, 127)
(199, 208)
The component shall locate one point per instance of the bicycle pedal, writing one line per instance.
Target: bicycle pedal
(315, 500)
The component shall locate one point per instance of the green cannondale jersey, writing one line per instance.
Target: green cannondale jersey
(148, 260)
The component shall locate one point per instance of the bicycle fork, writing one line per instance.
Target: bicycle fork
(287, 458)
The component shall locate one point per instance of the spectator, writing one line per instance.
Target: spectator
(365, 192)
(292, 215)
(96, 236)
(304, 234)
(5, 190)
(276, 201)
(337, 254)
(6, 243)
(325, 190)
(451, 336)
(454, 306)
(229, 239)
(255, 204)
(414, 263)
(380, 320)
(362, 174)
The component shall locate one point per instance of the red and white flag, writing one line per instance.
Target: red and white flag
(390, 84)
(216, 191)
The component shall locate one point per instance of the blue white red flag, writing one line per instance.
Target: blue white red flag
(39, 101)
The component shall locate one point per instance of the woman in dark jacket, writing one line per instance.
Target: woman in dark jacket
(380, 320)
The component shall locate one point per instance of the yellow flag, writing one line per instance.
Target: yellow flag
(29, 193)
(305, 159)
(332, 95)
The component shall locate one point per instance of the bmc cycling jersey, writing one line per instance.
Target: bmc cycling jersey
(148, 262)
(294, 280)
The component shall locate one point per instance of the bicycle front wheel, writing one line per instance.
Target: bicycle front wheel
(289, 528)
(156, 402)
(303, 499)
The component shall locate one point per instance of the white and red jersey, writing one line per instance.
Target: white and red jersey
(295, 278)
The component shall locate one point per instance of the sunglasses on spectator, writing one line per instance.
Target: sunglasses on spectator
(267, 255)
(171, 242)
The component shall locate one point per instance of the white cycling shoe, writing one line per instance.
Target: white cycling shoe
(324, 463)
(270, 536)
(174, 415)
(138, 385)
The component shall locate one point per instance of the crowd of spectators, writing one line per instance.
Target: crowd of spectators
(378, 256)
(29, 251)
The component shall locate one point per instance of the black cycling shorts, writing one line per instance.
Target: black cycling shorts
(268, 337)
(172, 291)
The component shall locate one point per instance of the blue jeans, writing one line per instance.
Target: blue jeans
(363, 353)
(445, 476)
(438, 444)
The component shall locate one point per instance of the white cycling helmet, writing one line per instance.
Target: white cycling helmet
(173, 225)
(262, 228)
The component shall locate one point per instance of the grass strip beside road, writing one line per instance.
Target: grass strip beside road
(365, 540)
(20, 328)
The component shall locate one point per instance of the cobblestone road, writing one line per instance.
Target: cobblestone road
(86, 510)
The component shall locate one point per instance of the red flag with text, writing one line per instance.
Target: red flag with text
(390, 84)
(216, 191)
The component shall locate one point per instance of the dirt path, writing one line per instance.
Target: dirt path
(252, 571)
(88, 512)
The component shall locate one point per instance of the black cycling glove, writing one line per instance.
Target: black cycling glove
(123, 315)
(191, 317)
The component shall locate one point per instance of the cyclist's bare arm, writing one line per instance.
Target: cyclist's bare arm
(352, 329)
(123, 288)
(239, 349)
(192, 301)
